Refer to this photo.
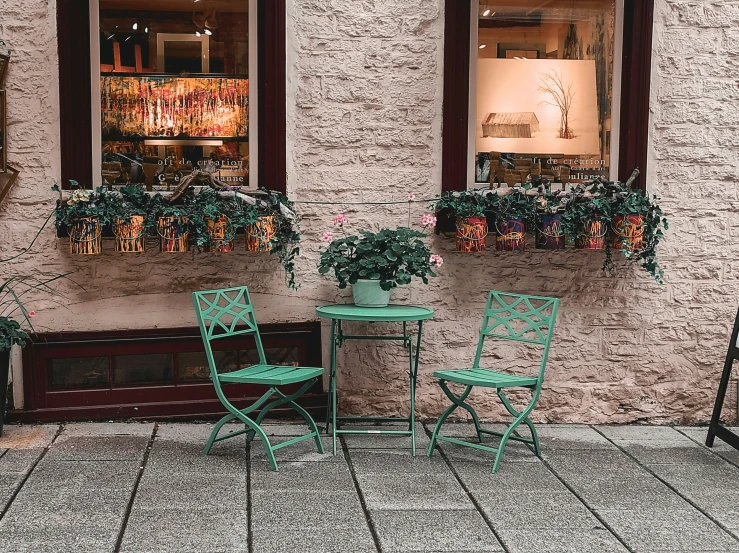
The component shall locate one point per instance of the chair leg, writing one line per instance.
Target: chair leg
(290, 401)
(456, 402)
(522, 417)
(526, 420)
(234, 413)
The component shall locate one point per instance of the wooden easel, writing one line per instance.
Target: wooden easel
(715, 429)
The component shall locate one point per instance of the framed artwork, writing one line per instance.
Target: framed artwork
(4, 61)
(7, 179)
(3, 134)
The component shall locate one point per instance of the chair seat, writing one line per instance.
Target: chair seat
(271, 375)
(485, 377)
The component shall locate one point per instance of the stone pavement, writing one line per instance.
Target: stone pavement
(145, 487)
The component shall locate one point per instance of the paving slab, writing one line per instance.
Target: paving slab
(186, 530)
(100, 448)
(301, 475)
(720, 448)
(660, 436)
(388, 461)
(339, 539)
(19, 461)
(29, 436)
(304, 451)
(515, 452)
(526, 509)
(570, 437)
(403, 491)
(193, 491)
(105, 429)
(513, 477)
(560, 540)
(424, 530)
(668, 529)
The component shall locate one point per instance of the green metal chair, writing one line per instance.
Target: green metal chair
(229, 312)
(516, 318)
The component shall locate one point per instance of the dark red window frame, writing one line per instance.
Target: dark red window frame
(151, 399)
(635, 81)
(75, 79)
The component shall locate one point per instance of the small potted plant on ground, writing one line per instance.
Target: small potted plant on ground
(468, 210)
(128, 215)
(376, 262)
(83, 215)
(513, 212)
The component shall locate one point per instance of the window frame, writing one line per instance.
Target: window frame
(77, 138)
(636, 62)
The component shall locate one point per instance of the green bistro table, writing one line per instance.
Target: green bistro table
(390, 314)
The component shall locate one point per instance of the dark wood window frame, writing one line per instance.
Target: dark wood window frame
(150, 399)
(75, 84)
(635, 83)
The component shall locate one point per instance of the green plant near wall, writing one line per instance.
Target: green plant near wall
(392, 256)
(517, 203)
(207, 205)
(285, 243)
(133, 200)
(83, 204)
(582, 204)
(461, 205)
(636, 202)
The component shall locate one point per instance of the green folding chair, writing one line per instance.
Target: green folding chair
(229, 312)
(516, 318)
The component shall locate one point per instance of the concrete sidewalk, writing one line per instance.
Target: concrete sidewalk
(135, 488)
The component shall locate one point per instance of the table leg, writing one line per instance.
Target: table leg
(330, 376)
(333, 384)
(414, 360)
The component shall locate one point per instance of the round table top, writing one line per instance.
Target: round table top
(391, 313)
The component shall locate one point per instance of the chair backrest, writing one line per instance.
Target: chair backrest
(519, 318)
(223, 313)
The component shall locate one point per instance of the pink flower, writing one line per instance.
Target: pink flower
(411, 196)
(428, 220)
(328, 236)
(340, 220)
(436, 260)
(31, 314)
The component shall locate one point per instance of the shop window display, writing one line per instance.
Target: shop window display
(543, 90)
(174, 91)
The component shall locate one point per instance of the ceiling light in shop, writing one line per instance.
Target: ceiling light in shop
(197, 33)
(208, 32)
(135, 26)
(482, 46)
(486, 13)
(146, 29)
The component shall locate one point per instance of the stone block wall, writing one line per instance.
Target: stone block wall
(364, 124)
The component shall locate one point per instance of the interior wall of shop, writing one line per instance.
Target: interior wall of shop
(364, 124)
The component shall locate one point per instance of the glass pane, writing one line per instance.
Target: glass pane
(141, 369)
(544, 90)
(275, 356)
(174, 90)
(79, 373)
(193, 365)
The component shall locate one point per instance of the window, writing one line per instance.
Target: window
(173, 86)
(558, 89)
(152, 372)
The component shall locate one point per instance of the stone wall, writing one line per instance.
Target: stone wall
(364, 124)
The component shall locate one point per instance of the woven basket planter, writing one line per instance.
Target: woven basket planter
(85, 236)
(471, 234)
(595, 235)
(510, 235)
(129, 237)
(259, 234)
(218, 230)
(628, 232)
(549, 233)
(173, 234)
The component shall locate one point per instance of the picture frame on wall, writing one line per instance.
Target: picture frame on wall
(4, 61)
(3, 134)
(7, 180)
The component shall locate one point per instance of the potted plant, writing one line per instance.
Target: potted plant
(513, 211)
(127, 213)
(468, 209)
(376, 262)
(171, 221)
(84, 214)
(549, 206)
(212, 220)
(285, 239)
(13, 317)
(638, 225)
(587, 215)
